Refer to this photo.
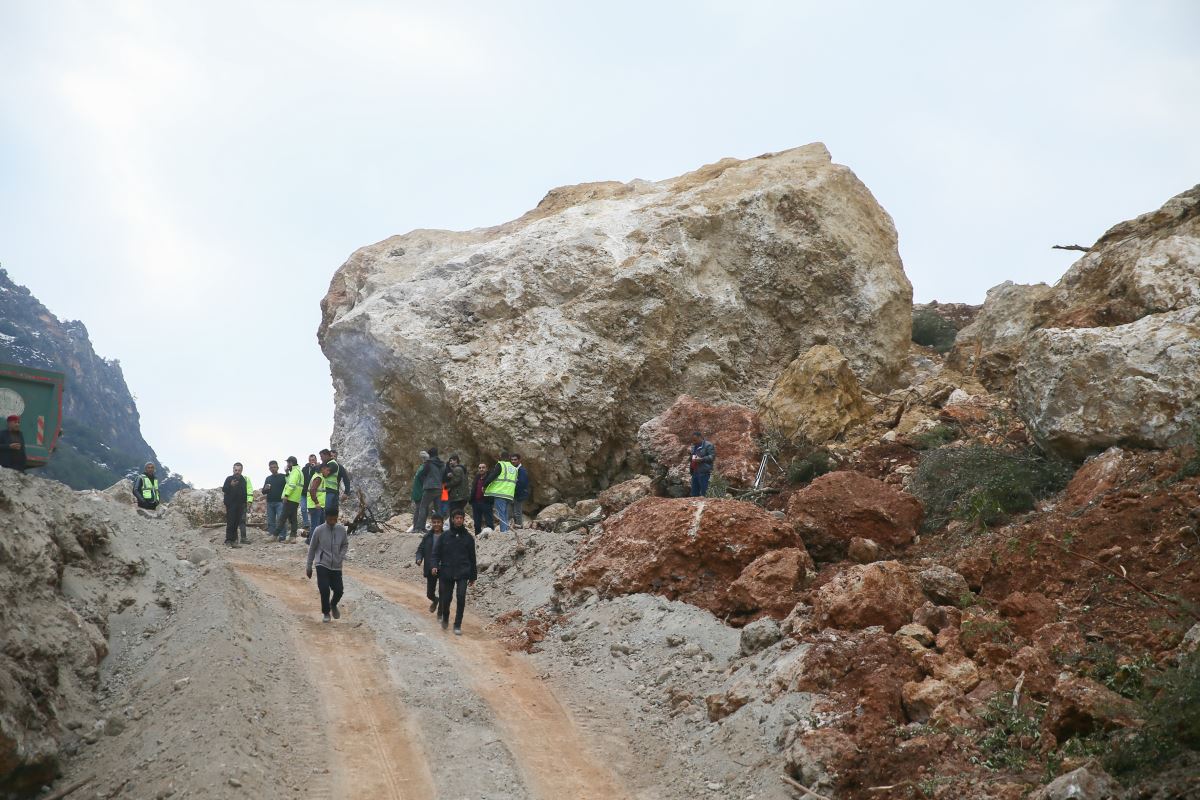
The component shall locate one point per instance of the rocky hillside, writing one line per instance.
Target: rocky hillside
(561, 332)
(102, 438)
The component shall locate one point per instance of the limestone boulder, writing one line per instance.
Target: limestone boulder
(734, 430)
(563, 331)
(863, 595)
(1080, 706)
(200, 506)
(624, 494)
(991, 345)
(816, 398)
(771, 584)
(122, 492)
(1081, 391)
(840, 506)
(688, 549)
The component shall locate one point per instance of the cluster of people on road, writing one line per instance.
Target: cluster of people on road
(497, 494)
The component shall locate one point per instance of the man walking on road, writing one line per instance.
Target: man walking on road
(328, 547)
(432, 474)
(701, 463)
(523, 492)
(145, 490)
(273, 490)
(425, 557)
(234, 490)
(501, 482)
(307, 474)
(293, 496)
(454, 564)
(481, 504)
(12, 445)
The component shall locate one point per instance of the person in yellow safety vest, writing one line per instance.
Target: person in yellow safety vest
(501, 483)
(314, 498)
(293, 494)
(146, 489)
(332, 480)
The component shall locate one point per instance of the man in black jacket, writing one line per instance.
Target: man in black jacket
(12, 445)
(454, 564)
(234, 490)
(425, 557)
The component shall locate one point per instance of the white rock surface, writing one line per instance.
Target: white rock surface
(561, 332)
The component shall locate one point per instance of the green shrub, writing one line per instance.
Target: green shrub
(1172, 723)
(935, 437)
(1010, 736)
(803, 469)
(930, 330)
(982, 484)
(717, 486)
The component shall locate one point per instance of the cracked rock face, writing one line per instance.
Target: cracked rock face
(561, 332)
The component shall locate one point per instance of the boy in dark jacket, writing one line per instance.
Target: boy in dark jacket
(454, 564)
(425, 556)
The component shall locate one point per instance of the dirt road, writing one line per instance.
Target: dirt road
(413, 713)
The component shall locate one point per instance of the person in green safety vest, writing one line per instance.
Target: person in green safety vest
(145, 490)
(332, 478)
(293, 495)
(314, 498)
(501, 483)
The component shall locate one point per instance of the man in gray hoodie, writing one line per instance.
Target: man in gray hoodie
(327, 546)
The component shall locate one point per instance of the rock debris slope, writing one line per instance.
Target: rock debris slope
(605, 303)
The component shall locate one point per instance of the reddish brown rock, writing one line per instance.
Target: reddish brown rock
(837, 507)
(1027, 612)
(734, 430)
(771, 584)
(1098, 475)
(622, 495)
(882, 593)
(920, 699)
(937, 617)
(863, 551)
(688, 549)
(1081, 706)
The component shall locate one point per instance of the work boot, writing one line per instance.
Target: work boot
(433, 605)
(336, 614)
(458, 630)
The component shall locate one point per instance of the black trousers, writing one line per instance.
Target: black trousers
(329, 580)
(233, 518)
(290, 507)
(457, 586)
(482, 512)
(431, 586)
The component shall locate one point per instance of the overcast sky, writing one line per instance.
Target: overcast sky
(186, 177)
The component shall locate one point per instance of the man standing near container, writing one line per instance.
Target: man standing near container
(12, 445)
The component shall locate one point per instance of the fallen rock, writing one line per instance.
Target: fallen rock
(554, 512)
(200, 506)
(617, 498)
(1098, 475)
(863, 551)
(688, 549)
(122, 492)
(1080, 706)
(839, 506)
(819, 758)
(734, 431)
(771, 583)
(952, 668)
(935, 617)
(816, 398)
(1028, 611)
(882, 593)
(918, 633)
(201, 554)
(942, 585)
(759, 635)
(990, 346)
(606, 302)
(920, 699)
(1081, 391)
(1086, 783)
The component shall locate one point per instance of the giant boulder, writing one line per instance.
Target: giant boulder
(734, 431)
(561, 332)
(1081, 391)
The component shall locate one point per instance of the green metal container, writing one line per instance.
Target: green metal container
(36, 396)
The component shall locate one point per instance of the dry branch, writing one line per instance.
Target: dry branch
(1078, 247)
(798, 785)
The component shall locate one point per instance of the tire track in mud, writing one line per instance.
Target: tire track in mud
(379, 753)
